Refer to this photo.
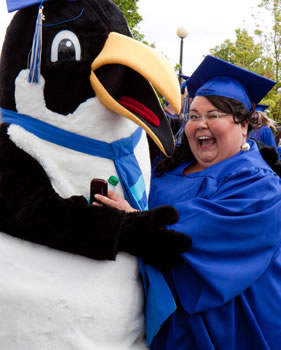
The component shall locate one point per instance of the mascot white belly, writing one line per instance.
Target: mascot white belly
(55, 300)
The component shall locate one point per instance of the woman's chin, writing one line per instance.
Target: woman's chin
(207, 161)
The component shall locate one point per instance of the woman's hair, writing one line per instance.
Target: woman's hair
(224, 104)
(263, 119)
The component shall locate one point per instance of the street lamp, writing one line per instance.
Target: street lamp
(277, 116)
(181, 33)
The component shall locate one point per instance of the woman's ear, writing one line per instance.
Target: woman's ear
(244, 128)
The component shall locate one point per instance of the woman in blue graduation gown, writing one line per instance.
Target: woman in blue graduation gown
(227, 289)
(264, 130)
(265, 135)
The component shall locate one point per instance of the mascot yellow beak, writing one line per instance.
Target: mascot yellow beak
(138, 67)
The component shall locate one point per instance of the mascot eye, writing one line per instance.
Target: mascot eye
(65, 46)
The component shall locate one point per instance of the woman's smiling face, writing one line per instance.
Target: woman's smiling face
(213, 139)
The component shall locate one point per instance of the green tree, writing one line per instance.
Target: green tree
(130, 10)
(262, 57)
(243, 52)
(271, 42)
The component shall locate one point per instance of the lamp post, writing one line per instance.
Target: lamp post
(181, 33)
(278, 90)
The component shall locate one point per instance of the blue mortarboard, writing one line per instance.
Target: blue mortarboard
(14, 5)
(261, 108)
(220, 78)
(182, 86)
(184, 83)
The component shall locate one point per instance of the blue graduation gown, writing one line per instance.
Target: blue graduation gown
(265, 135)
(228, 290)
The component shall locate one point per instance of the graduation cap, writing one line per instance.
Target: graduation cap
(182, 87)
(184, 83)
(261, 107)
(220, 78)
(14, 5)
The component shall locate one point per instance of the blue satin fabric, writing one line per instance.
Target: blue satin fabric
(228, 291)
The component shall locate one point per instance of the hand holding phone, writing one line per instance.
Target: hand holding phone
(97, 186)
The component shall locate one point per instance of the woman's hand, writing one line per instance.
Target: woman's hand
(115, 201)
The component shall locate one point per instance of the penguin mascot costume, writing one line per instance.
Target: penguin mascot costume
(76, 102)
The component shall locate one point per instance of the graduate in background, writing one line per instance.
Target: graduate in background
(227, 292)
(170, 112)
(265, 129)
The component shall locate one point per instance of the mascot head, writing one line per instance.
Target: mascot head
(77, 50)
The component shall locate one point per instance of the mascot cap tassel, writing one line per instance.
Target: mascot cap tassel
(35, 56)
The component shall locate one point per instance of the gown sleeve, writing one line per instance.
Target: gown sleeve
(235, 232)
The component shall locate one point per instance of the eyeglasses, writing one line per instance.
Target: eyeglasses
(195, 117)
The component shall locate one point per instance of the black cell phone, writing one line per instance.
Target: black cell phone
(97, 186)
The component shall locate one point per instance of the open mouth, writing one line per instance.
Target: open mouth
(206, 141)
(125, 76)
(136, 94)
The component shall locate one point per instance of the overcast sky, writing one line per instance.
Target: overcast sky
(208, 22)
(4, 20)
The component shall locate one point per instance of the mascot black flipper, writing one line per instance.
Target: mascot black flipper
(33, 210)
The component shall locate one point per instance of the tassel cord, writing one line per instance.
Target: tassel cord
(36, 51)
